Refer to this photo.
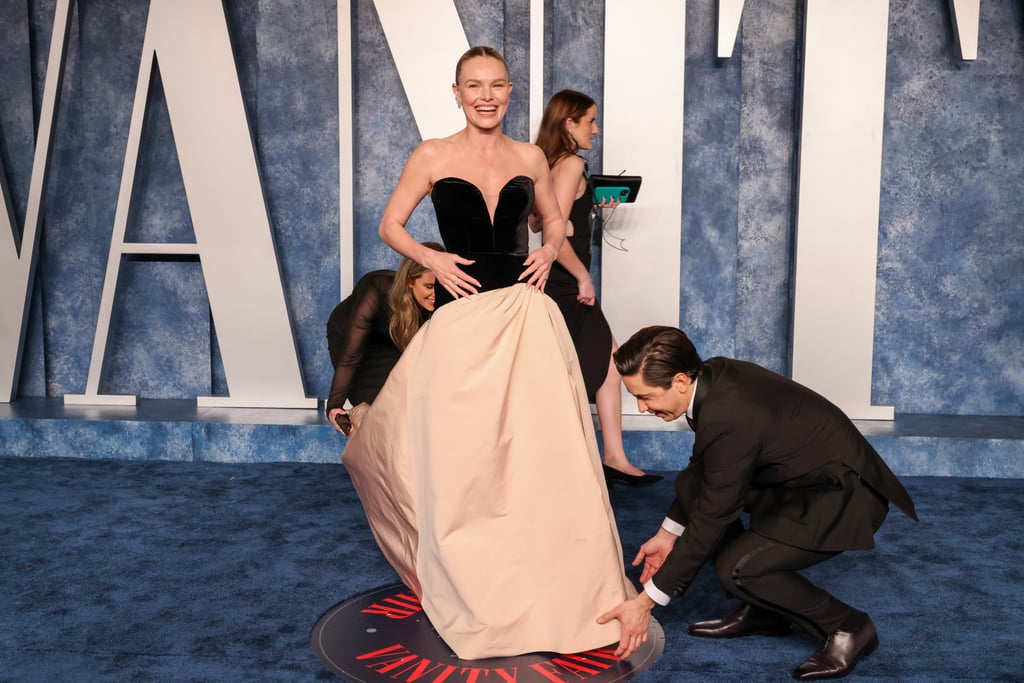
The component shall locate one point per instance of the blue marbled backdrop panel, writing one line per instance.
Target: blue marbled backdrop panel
(387, 135)
(85, 173)
(768, 101)
(950, 311)
(295, 48)
(949, 331)
(711, 135)
(576, 60)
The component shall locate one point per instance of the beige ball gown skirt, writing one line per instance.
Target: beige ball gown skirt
(478, 469)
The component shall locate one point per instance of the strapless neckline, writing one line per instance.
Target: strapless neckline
(480, 194)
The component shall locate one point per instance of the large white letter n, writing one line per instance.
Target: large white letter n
(225, 199)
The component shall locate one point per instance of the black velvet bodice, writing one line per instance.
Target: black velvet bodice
(498, 248)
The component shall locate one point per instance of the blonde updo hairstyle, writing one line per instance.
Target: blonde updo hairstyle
(478, 51)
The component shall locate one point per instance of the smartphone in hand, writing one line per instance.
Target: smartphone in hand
(608, 188)
(344, 422)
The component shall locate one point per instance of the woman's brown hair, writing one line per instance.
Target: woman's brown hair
(553, 138)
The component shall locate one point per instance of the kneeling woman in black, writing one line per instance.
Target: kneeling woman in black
(368, 331)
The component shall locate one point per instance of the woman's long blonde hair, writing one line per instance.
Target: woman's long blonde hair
(405, 311)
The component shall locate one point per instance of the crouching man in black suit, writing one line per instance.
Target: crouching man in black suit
(811, 483)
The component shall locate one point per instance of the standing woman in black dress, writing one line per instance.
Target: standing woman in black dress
(368, 331)
(568, 125)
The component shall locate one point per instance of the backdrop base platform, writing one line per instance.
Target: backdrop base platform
(178, 429)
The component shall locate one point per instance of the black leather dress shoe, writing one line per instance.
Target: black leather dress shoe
(612, 475)
(840, 653)
(745, 620)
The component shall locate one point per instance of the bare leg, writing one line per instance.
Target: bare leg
(609, 414)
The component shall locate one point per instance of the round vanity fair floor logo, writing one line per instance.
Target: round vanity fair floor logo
(385, 636)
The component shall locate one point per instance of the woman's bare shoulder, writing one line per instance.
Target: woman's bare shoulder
(435, 152)
(428, 158)
(532, 156)
(433, 148)
(569, 164)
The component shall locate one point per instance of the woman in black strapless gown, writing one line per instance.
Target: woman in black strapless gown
(477, 465)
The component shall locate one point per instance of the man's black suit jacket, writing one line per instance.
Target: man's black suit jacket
(786, 455)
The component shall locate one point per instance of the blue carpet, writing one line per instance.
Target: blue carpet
(115, 570)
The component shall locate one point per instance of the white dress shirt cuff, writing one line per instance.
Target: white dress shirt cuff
(654, 593)
(674, 528)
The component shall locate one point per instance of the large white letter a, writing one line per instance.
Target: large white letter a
(225, 198)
